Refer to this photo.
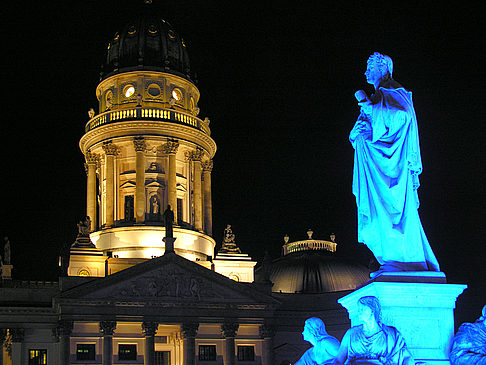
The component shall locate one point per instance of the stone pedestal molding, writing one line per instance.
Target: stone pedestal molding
(423, 310)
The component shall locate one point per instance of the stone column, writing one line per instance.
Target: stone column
(3, 336)
(189, 331)
(140, 147)
(229, 330)
(267, 332)
(208, 206)
(17, 348)
(110, 151)
(196, 157)
(149, 330)
(64, 330)
(170, 149)
(107, 329)
(91, 162)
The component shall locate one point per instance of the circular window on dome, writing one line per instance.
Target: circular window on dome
(152, 29)
(83, 272)
(154, 90)
(128, 91)
(177, 95)
(234, 277)
(132, 30)
(171, 34)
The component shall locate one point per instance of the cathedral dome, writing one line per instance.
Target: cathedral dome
(310, 266)
(146, 43)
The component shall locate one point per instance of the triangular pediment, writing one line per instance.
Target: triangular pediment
(128, 184)
(168, 279)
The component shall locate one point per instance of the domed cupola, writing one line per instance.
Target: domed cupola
(309, 266)
(146, 43)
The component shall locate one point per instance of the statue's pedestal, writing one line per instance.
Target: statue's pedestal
(419, 304)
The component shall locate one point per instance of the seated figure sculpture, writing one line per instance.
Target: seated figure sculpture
(372, 342)
(324, 346)
(469, 344)
(387, 165)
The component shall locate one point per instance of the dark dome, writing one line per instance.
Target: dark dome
(147, 43)
(315, 272)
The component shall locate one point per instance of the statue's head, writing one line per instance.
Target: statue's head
(483, 316)
(367, 306)
(314, 329)
(379, 67)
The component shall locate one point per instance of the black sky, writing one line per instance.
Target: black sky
(277, 82)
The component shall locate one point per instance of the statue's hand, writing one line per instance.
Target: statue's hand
(365, 107)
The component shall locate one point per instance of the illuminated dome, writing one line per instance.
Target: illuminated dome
(309, 266)
(146, 43)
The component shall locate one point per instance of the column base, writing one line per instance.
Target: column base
(419, 304)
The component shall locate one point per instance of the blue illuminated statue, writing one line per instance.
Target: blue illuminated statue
(372, 342)
(324, 347)
(387, 165)
(469, 344)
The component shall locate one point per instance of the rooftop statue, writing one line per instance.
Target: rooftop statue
(6, 251)
(229, 245)
(372, 342)
(469, 344)
(324, 347)
(387, 165)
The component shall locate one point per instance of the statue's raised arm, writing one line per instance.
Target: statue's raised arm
(387, 165)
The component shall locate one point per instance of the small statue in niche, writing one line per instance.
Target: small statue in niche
(469, 344)
(154, 205)
(324, 346)
(372, 342)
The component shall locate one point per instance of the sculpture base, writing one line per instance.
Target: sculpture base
(6, 272)
(419, 304)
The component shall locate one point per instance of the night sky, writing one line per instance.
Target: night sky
(277, 82)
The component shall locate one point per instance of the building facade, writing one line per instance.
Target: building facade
(124, 298)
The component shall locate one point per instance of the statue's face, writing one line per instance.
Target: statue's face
(306, 333)
(365, 314)
(373, 72)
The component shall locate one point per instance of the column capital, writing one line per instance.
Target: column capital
(170, 148)
(149, 328)
(229, 329)
(64, 327)
(189, 329)
(267, 330)
(195, 155)
(139, 144)
(17, 334)
(110, 148)
(207, 165)
(107, 328)
(91, 158)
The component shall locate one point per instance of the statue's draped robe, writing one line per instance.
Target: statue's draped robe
(469, 345)
(386, 347)
(321, 354)
(387, 164)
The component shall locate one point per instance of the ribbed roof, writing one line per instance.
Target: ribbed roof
(315, 271)
(146, 43)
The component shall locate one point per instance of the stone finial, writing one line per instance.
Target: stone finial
(91, 113)
(333, 237)
(286, 238)
(310, 232)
